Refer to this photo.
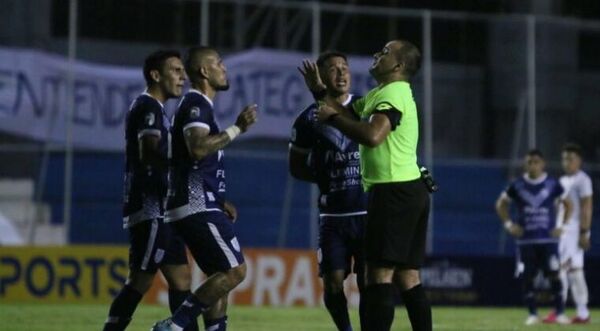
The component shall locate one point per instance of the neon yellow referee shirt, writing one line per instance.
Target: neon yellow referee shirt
(395, 159)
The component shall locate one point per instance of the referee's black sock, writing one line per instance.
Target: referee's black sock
(338, 309)
(379, 307)
(418, 308)
(176, 298)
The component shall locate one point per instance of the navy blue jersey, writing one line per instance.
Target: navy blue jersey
(335, 161)
(145, 186)
(536, 207)
(195, 186)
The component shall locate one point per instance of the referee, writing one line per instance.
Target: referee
(398, 206)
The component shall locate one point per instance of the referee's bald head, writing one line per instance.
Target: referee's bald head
(409, 55)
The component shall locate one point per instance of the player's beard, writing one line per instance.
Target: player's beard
(223, 87)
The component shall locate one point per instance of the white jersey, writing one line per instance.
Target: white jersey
(577, 187)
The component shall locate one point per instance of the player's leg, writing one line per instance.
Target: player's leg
(215, 318)
(379, 296)
(212, 242)
(565, 251)
(145, 254)
(334, 264)
(358, 253)
(579, 289)
(548, 255)
(526, 258)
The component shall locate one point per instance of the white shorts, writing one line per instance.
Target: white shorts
(571, 255)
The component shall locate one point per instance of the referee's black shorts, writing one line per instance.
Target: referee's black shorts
(396, 231)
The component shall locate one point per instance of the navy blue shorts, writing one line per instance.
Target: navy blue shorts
(341, 239)
(211, 239)
(535, 257)
(152, 244)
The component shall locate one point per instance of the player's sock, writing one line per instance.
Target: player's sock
(218, 324)
(188, 311)
(559, 304)
(529, 296)
(361, 311)
(379, 306)
(176, 298)
(338, 309)
(564, 279)
(579, 292)
(122, 309)
(418, 308)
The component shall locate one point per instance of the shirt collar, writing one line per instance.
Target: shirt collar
(150, 95)
(202, 94)
(535, 181)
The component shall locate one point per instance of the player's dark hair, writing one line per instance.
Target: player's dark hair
(193, 54)
(535, 152)
(573, 148)
(156, 61)
(410, 55)
(328, 55)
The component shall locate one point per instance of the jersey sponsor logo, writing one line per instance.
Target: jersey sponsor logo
(150, 119)
(195, 112)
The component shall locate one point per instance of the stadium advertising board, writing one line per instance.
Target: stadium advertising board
(275, 277)
(33, 95)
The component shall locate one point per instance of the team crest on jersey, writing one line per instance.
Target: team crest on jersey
(150, 119)
(195, 112)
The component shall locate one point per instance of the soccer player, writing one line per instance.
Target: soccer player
(398, 200)
(321, 154)
(576, 236)
(535, 195)
(153, 246)
(196, 205)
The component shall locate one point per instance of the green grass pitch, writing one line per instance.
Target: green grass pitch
(73, 317)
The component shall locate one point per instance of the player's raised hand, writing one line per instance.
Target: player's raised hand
(324, 112)
(247, 117)
(310, 72)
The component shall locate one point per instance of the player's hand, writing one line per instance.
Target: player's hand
(247, 117)
(230, 211)
(324, 112)
(310, 72)
(584, 242)
(515, 230)
(557, 232)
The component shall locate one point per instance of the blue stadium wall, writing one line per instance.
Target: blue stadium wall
(465, 222)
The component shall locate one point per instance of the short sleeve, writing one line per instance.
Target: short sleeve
(196, 115)
(151, 117)
(303, 135)
(585, 187)
(511, 191)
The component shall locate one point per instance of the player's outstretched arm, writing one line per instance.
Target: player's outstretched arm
(200, 143)
(585, 224)
(370, 134)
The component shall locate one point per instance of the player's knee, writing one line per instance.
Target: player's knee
(407, 279)
(334, 286)
(236, 275)
(140, 281)
(178, 277)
